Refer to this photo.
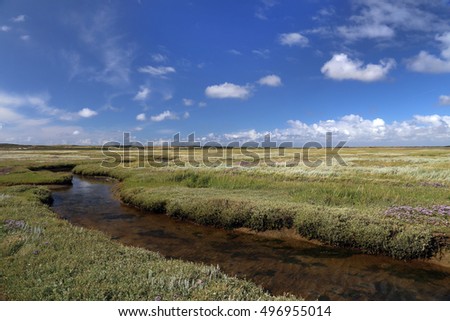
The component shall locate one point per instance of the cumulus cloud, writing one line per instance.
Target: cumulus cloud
(87, 113)
(25, 37)
(186, 115)
(246, 135)
(142, 94)
(429, 63)
(5, 28)
(433, 120)
(356, 130)
(293, 39)
(270, 80)
(164, 116)
(444, 100)
(160, 71)
(141, 117)
(228, 90)
(340, 67)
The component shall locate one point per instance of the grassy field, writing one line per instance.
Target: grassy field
(385, 200)
(392, 201)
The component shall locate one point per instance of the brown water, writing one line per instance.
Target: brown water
(278, 265)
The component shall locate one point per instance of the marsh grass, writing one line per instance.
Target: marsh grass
(25, 176)
(339, 205)
(46, 258)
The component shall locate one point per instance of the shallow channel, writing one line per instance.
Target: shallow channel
(278, 265)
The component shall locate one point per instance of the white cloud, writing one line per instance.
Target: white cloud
(14, 122)
(11, 100)
(340, 67)
(202, 104)
(19, 18)
(380, 19)
(270, 80)
(186, 115)
(164, 116)
(159, 57)
(262, 53)
(263, 9)
(324, 13)
(366, 31)
(247, 135)
(188, 102)
(433, 120)
(9, 115)
(142, 94)
(25, 37)
(357, 131)
(234, 52)
(429, 63)
(160, 71)
(444, 100)
(141, 117)
(110, 56)
(228, 90)
(39, 103)
(20, 125)
(293, 39)
(87, 113)
(5, 28)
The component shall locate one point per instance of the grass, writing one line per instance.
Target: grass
(338, 205)
(345, 206)
(45, 258)
(21, 175)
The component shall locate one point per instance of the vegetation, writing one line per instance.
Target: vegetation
(339, 205)
(46, 258)
(390, 201)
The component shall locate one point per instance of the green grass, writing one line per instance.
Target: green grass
(342, 210)
(20, 175)
(45, 258)
(338, 205)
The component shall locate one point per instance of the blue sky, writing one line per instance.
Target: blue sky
(373, 72)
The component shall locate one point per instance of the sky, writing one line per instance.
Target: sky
(372, 72)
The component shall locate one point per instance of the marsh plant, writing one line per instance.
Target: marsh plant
(436, 215)
(392, 201)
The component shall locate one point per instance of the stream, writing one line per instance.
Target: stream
(278, 265)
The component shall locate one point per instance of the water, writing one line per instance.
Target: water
(278, 265)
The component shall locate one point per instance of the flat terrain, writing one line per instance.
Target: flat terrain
(391, 201)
